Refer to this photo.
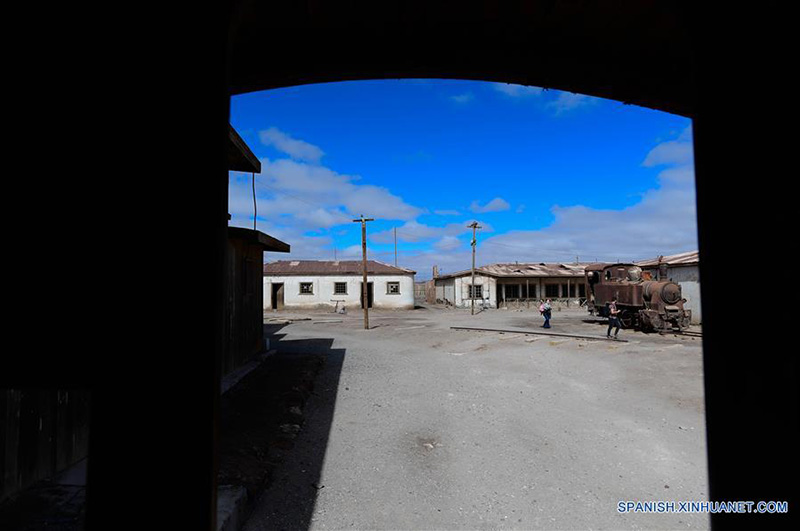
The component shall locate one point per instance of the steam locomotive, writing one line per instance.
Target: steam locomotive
(644, 303)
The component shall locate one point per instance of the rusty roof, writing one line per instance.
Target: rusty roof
(682, 259)
(331, 267)
(524, 270)
(599, 266)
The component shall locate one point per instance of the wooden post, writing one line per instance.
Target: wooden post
(528, 292)
(474, 227)
(365, 299)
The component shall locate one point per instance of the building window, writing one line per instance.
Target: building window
(340, 288)
(551, 290)
(306, 288)
(476, 292)
(393, 288)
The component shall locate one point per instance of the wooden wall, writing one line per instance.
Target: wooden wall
(41, 433)
(244, 312)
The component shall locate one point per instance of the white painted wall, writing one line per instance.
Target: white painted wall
(689, 279)
(445, 289)
(456, 290)
(489, 293)
(323, 296)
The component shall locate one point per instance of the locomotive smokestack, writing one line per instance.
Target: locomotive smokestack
(662, 269)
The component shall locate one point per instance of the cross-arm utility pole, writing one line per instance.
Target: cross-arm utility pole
(365, 300)
(474, 243)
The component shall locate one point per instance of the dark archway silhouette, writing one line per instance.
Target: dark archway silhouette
(724, 67)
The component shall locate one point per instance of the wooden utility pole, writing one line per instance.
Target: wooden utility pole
(474, 227)
(365, 300)
(395, 246)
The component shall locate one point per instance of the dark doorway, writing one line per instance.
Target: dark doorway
(277, 296)
(369, 294)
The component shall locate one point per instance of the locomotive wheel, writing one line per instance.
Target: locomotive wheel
(626, 319)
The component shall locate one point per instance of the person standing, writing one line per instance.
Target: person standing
(547, 314)
(613, 318)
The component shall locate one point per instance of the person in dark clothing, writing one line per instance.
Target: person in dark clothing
(613, 318)
(547, 313)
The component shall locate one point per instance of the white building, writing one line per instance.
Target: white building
(311, 284)
(683, 269)
(510, 285)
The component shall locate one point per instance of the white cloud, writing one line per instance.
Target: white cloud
(415, 232)
(463, 98)
(495, 205)
(411, 231)
(678, 151)
(517, 91)
(296, 196)
(297, 149)
(663, 222)
(447, 212)
(447, 243)
(567, 101)
(316, 195)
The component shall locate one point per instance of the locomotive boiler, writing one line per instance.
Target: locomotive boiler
(643, 302)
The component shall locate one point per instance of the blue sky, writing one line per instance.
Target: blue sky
(551, 176)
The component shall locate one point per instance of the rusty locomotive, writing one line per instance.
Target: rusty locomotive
(645, 303)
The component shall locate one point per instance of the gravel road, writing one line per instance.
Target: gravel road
(414, 425)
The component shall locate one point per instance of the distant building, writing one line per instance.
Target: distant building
(683, 269)
(309, 284)
(504, 285)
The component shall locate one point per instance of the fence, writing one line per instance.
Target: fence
(524, 303)
(425, 292)
(41, 433)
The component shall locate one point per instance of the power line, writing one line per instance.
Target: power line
(255, 205)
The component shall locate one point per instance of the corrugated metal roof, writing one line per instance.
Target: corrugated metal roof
(687, 258)
(331, 267)
(524, 269)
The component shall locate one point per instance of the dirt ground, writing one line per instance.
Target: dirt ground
(261, 416)
(415, 425)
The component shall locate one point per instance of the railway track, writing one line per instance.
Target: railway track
(687, 333)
